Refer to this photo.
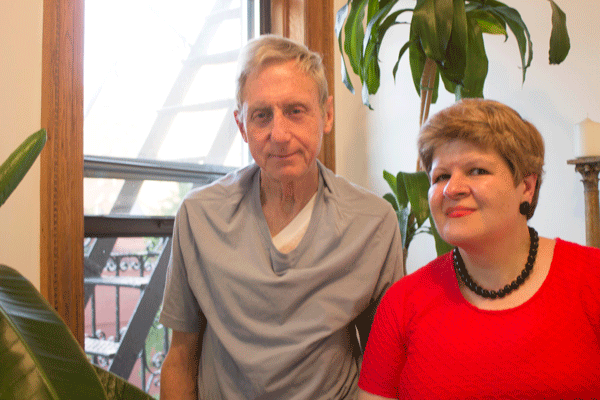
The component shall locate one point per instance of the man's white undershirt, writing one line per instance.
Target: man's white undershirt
(289, 238)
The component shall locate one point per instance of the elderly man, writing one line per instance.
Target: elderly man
(277, 266)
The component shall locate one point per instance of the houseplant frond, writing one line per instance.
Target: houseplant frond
(559, 37)
(409, 200)
(446, 31)
(18, 163)
(40, 358)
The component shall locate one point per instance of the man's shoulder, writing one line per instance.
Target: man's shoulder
(353, 197)
(232, 186)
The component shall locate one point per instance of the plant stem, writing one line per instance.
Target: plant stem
(427, 86)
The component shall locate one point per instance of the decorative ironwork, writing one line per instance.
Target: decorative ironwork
(126, 269)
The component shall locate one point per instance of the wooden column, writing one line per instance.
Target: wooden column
(589, 167)
(61, 182)
(310, 22)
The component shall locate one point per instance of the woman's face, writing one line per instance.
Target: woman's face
(473, 198)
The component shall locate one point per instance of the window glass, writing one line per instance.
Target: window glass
(159, 86)
(158, 103)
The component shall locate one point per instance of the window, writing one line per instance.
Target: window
(61, 203)
(158, 121)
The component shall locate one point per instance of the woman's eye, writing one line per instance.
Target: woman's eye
(440, 177)
(479, 171)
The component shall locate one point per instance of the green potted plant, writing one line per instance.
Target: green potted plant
(445, 43)
(40, 358)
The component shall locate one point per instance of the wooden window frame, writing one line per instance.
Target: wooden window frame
(61, 181)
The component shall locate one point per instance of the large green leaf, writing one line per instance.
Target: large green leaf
(432, 26)
(407, 231)
(354, 35)
(18, 163)
(455, 61)
(477, 63)
(40, 358)
(441, 247)
(391, 181)
(514, 21)
(340, 17)
(487, 21)
(559, 37)
(118, 388)
(417, 186)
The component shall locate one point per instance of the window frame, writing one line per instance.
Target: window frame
(62, 161)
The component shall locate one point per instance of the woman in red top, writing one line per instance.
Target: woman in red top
(506, 314)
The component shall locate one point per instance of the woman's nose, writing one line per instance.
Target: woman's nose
(456, 186)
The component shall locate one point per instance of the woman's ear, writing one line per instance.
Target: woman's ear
(530, 182)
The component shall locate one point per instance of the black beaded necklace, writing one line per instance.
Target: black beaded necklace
(459, 267)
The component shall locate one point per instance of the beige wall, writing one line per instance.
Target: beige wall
(20, 114)
(553, 98)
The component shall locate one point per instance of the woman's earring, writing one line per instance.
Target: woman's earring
(525, 208)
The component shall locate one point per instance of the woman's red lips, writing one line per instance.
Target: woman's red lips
(457, 212)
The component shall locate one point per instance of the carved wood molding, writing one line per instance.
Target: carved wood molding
(310, 22)
(589, 167)
(61, 182)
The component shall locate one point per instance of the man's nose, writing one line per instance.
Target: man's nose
(456, 186)
(280, 131)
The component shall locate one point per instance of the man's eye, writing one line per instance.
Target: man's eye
(295, 111)
(260, 116)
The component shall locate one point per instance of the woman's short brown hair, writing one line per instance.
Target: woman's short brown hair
(492, 126)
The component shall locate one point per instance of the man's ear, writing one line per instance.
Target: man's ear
(328, 122)
(240, 124)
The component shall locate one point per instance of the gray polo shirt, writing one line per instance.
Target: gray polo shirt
(279, 326)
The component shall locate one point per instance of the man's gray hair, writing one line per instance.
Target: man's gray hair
(266, 50)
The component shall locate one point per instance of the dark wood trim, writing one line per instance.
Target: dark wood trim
(61, 181)
(320, 38)
(310, 22)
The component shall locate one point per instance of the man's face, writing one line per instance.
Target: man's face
(283, 123)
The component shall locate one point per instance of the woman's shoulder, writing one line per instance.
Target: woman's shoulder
(570, 252)
(434, 276)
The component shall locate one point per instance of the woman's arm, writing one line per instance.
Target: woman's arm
(179, 372)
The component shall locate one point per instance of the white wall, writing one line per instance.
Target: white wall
(553, 98)
(20, 114)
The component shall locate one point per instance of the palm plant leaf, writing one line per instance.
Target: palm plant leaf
(455, 58)
(441, 247)
(442, 30)
(417, 61)
(18, 163)
(559, 37)
(354, 33)
(477, 63)
(416, 185)
(432, 25)
(340, 17)
(40, 358)
(391, 181)
(513, 19)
